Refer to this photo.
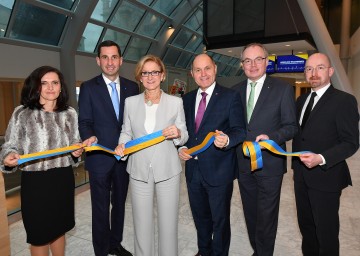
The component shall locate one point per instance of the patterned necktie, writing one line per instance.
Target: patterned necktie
(308, 109)
(200, 111)
(115, 98)
(250, 104)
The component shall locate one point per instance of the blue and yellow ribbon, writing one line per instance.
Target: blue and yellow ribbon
(143, 142)
(252, 149)
(130, 147)
(209, 139)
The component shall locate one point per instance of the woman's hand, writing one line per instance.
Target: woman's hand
(119, 150)
(77, 153)
(89, 141)
(183, 155)
(11, 159)
(171, 132)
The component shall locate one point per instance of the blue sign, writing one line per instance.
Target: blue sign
(271, 66)
(290, 63)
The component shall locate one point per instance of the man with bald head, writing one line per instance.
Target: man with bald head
(329, 122)
(210, 174)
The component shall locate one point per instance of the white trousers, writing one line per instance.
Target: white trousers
(167, 198)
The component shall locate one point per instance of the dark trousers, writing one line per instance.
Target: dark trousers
(260, 197)
(210, 206)
(107, 229)
(318, 218)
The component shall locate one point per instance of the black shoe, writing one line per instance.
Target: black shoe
(120, 251)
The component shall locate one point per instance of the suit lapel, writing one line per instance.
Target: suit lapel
(243, 97)
(160, 112)
(192, 100)
(322, 101)
(123, 95)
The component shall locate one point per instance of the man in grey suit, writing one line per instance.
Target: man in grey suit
(270, 110)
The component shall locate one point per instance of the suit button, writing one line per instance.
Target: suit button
(302, 139)
(249, 130)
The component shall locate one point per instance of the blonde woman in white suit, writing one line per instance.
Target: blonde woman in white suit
(154, 171)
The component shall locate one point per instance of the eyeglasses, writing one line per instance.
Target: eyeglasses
(152, 73)
(257, 61)
(318, 68)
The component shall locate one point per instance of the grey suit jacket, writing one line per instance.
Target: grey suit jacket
(162, 159)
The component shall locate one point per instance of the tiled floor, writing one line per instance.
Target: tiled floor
(288, 237)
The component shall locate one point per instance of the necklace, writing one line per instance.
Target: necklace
(150, 102)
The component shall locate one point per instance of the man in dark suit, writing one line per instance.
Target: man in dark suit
(210, 174)
(330, 130)
(270, 112)
(100, 122)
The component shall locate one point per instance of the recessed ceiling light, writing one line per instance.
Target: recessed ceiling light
(229, 50)
(287, 45)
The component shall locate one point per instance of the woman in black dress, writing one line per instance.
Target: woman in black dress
(44, 121)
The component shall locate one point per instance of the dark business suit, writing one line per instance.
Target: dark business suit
(274, 115)
(108, 177)
(210, 177)
(332, 131)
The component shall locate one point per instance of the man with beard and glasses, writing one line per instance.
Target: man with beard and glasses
(329, 122)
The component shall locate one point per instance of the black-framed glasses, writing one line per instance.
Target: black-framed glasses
(318, 68)
(257, 61)
(152, 73)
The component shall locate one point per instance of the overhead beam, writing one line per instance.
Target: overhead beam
(324, 43)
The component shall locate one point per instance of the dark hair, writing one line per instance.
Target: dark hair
(30, 93)
(107, 43)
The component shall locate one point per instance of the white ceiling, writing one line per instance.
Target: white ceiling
(284, 48)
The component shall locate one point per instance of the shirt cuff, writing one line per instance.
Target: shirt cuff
(323, 160)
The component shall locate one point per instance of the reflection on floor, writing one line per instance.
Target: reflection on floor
(288, 237)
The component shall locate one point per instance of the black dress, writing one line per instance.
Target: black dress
(47, 204)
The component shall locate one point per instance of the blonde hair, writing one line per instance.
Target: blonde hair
(147, 58)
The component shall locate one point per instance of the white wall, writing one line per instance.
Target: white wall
(19, 62)
(87, 68)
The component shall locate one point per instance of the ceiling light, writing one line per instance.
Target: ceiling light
(170, 26)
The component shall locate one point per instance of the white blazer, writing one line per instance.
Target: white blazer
(162, 159)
